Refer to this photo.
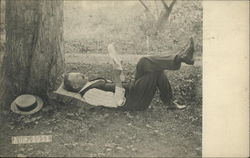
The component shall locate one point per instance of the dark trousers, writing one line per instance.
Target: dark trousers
(149, 76)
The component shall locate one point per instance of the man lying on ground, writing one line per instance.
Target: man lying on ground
(137, 94)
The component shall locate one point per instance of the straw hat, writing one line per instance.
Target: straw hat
(26, 104)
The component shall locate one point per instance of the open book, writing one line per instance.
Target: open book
(113, 55)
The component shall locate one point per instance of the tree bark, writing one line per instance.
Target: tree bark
(2, 30)
(34, 58)
(165, 15)
(161, 20)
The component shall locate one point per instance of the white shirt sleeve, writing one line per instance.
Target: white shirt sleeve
(99, 97)
(119, 96)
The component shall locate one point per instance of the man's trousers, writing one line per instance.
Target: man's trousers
(149, 76)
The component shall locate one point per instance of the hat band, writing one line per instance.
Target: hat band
(29, 108)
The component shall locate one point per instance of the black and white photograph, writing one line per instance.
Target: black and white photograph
(101, 78)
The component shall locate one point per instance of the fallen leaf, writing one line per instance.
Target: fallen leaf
(21, 155)
(70, 114)
(106, 115)
(108, 149)
(134, 149)
(101, 154)
(119, 148)
(147, 125)
(110, 145)
(129, 115)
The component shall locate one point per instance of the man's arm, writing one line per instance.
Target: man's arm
(117, 70)
(117, 78)
(119, 90)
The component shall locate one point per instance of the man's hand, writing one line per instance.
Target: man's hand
(117, 72)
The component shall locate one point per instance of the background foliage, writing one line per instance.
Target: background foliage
(90, 26)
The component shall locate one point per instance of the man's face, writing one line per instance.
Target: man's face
(74, 81)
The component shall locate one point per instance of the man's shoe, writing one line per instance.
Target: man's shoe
(176, 106)
(186, 55)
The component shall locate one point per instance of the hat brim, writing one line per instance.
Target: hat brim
(39, 106)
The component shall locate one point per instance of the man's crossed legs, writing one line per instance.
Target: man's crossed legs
(150, 75)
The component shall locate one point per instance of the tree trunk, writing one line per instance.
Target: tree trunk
(34, 60)
(148, 43)
(156, 10)
(165, 15)
(2, 30)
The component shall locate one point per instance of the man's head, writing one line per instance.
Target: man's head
(74, 81)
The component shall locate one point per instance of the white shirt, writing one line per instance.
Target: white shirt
(99, 97)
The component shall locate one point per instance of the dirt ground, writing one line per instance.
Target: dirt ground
(157, 132)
